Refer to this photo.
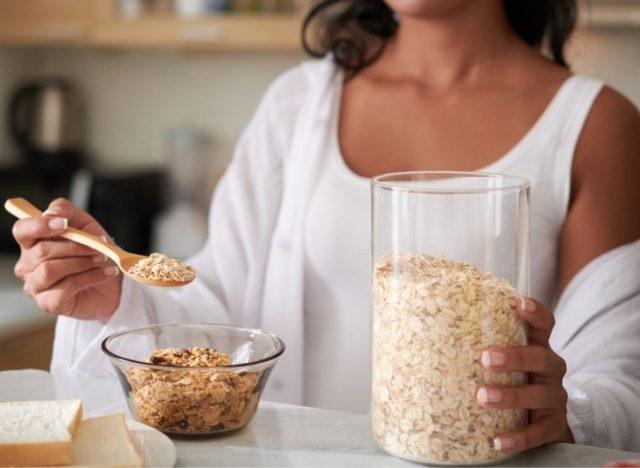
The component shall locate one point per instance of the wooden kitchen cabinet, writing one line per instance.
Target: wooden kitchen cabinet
(44, 22)
(224, 31)
(102, 24)
(30, 349)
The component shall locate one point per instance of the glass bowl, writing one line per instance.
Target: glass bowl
(203, 400)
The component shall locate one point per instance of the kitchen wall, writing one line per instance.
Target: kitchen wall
(13, 65)
(134, 97)
(611, 54)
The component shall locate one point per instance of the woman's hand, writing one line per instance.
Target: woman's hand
(64, 277)
(543, 395)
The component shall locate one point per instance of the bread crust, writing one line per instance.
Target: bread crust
(40, 454)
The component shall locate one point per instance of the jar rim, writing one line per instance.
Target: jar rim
(406, 182)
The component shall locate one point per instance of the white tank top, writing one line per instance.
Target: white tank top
(338, 244)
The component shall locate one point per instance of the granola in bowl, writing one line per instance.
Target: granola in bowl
(197, 390)
(192, 402)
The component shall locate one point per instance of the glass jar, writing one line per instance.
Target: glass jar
(450, 258)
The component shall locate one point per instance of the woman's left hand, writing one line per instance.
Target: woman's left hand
(543, 395)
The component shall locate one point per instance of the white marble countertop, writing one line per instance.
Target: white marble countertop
(279, 435)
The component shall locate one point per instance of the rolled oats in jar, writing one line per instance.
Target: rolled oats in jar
(432, 319)
(450, 259)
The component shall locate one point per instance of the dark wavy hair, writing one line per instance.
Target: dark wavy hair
(356, 31)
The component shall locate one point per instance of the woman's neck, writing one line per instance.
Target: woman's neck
(451, 49)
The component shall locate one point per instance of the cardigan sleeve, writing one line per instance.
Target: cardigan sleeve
(230, 267)
(597, 332)
(603, 382)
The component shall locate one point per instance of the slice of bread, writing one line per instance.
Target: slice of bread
(38, 433)
(105, 441)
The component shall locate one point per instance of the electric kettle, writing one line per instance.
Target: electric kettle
(46, 123)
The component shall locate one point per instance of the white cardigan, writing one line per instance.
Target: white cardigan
(251, 272)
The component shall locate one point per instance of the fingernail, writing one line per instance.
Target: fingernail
(489, 395)
(504, 443)
(52, 211)
(99, 258)
(110, 271)
(493, 358)
(58, 224)
(104, 238)
(527, 304)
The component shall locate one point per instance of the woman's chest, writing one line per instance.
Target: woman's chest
(400, 130)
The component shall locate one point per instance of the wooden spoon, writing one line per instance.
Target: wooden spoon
(21, 208)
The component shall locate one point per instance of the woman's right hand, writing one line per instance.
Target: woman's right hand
(62, 276)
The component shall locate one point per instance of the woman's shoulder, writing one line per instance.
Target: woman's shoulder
(612, 129)
(607, 158)
(605, 191)
(613, 106)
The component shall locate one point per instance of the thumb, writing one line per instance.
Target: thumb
(80, 219)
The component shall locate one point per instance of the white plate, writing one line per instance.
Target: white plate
(155, 447)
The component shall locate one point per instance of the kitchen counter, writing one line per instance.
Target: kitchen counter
(279, 435)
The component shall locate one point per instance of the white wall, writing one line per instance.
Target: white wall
(134, 97)
(13, 65)
(610, 54)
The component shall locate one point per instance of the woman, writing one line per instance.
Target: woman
(407, 85)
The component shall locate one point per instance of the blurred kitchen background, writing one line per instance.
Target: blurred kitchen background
(131, 108)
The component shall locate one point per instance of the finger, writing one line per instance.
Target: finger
(61, 297)
(49, 250)
(540, 320)
(535, 396)
(77, 218)
(31, 230)
(628, 463)
(530, 358)
(539, 432)
(50, 272)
